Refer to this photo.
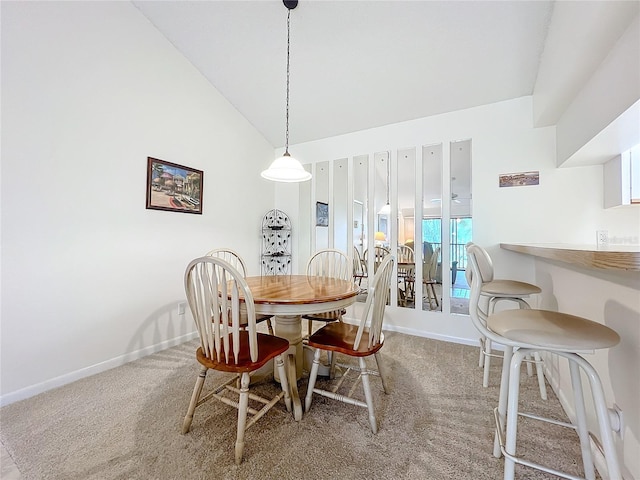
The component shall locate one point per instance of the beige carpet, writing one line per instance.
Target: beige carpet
(435, 424)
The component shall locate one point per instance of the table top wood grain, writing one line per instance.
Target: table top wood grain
(299, 289)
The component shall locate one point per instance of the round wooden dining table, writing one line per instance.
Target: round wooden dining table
(288, 297)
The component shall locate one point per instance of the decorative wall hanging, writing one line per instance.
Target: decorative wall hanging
(519, 179)
(173, 187)
(322, 214)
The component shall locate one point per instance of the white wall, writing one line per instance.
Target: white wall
(567, 207)
(90, 278)
(610, 91)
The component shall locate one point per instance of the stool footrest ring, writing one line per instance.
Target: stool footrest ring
(537, 466)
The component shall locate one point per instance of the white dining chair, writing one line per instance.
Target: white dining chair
(360, 341)
(406, 273)
(214, 290)
(429, 270)
(234, 258)
(329, 263)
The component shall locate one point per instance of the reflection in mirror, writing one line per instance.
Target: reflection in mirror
(340, 194)
(461, 223)
(431, 227)
(360, 184)
(305, 219)
(382, 202)
(321, 180)
(406, 227)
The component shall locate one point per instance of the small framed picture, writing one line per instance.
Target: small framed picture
(173, 187)
(322, 214)
(519, 179)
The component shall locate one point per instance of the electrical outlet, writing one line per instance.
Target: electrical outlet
(602, 237)
(181, 308)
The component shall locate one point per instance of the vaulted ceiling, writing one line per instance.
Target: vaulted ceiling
(362, 64)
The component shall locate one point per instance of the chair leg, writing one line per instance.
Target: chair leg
(602, 412)
(269, 326)
(540, 374)
(186, 424)
(487, 362)
(366, 386)
(310, 327)
(435, 296)
(242, 416)
(284, 383)
(481, 355)
(381, 372)
(332, 364)
(581, 421)
(502, 398)
(512, 413)
(312, 379)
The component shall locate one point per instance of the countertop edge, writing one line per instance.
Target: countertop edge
(607, 259)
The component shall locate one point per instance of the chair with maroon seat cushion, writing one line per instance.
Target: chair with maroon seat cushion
(359, 341)
(232, 257)
(215, 292)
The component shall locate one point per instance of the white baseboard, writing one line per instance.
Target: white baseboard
(50, 384)
(419, 333)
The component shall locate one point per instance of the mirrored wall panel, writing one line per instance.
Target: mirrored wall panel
(360, 225)
(406, 258)
(431, 220)
(393, 202)
(322, 208)
(340, 206)
(461, 223)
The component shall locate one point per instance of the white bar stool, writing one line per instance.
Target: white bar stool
(496, 290)
(527, 331)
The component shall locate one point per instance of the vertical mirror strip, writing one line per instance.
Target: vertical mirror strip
(432, 227)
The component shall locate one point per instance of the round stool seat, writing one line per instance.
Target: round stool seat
(552, 330)
(509, 288)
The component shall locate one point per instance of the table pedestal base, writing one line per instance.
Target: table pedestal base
(290, 327)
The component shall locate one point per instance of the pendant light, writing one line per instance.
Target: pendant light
(287, 168)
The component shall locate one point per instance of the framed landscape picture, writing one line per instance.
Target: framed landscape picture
(173, 187)
(322, 214)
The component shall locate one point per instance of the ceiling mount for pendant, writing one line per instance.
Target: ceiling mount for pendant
(287, 168)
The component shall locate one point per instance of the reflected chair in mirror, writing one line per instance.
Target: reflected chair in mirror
(379, 254)
(333, 264)
(429, 269)
(406, 274)
(494, 291)
(525, 332)
(359, 267)
(232, 257)
(215, 292)
(360, 341)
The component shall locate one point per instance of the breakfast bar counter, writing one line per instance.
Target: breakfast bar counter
(610, 257)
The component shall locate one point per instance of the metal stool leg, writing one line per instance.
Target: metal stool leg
(501, 411)
(540, 375)
(581, 421)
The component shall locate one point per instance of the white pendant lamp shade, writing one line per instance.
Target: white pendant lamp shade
(386, 210)
(286, 169)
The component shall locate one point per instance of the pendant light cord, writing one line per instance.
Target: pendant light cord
(286, 142)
